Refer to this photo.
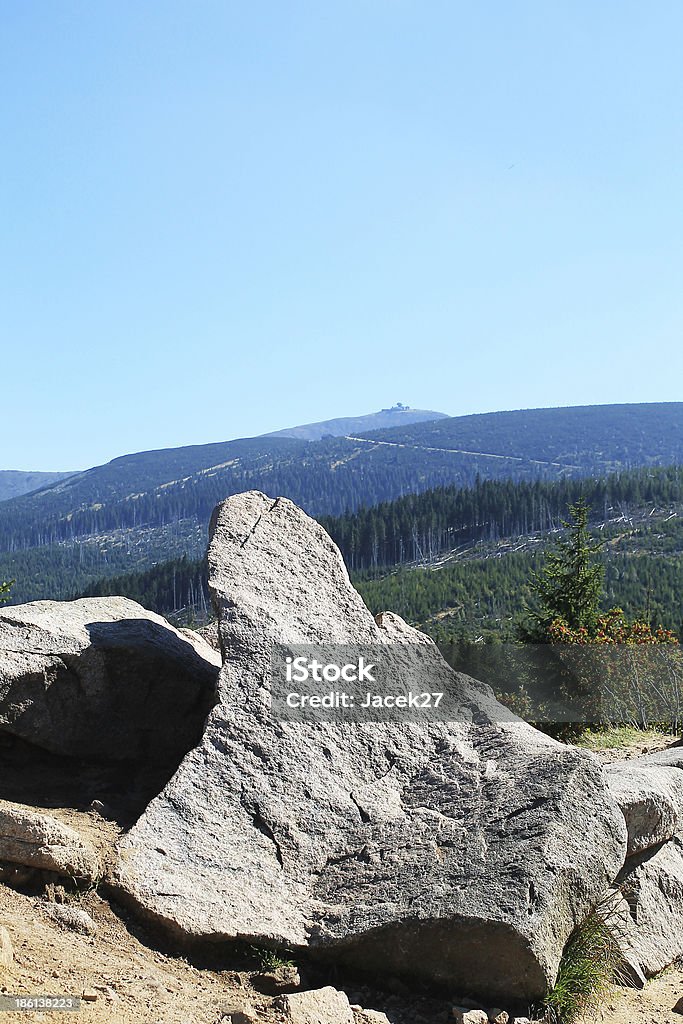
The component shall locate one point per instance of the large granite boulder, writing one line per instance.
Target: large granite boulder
(463, 851)
(103, 679)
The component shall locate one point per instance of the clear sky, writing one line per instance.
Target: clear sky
(222, 218)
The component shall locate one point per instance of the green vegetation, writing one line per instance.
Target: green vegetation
(588, 969)
(569, 586)
(481, 589)
(175, 586)
(4, 590)
(597, 666)
(624, 737)
(420, 528)
(270, 959)
(148, 495)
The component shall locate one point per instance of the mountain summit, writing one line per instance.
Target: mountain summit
(398, 416)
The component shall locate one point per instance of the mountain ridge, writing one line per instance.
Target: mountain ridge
(147, 507)
(15, 482)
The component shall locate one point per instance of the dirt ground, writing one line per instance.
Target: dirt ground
(130, 981)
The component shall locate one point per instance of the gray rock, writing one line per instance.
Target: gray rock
(672, 756)
(6, 951)
(73, 918)
(103, 679)
(648, 912)
(36, 840)
(462, 1015)
(319, 1006)
(361, 1016)
(465, 852)
(498, 1016)
(651, 799)
(243, 1014)
(281, 979)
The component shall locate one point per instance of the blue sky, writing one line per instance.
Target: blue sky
(220, 218)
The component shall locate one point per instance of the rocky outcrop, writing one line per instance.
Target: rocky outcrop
(40, 842)
(463, 851)
(646, 903)
(650, 796)
(102, 679)
(647, 918)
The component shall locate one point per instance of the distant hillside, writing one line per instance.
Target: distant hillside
(14, 482)
(458, 562)
(152, 506)
(587, 439)
(399, 416)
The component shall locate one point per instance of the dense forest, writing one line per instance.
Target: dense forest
(480, 587)
(153, 490)
(419, 528)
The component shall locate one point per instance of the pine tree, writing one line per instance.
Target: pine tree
(569, 585)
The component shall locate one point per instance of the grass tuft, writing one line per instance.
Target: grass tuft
(588, 969)
(270, 959)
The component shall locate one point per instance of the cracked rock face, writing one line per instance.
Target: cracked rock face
(103, 679)
(464, 852)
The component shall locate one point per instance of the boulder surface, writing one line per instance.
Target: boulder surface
(651, 799)
(464, 851)
(647, 917)
(39, 841)
(103, 679)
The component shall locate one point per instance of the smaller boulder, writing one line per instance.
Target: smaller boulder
(361, 1016)
(73, 918)
(244, 1014)
(646, 915)
(465, 1016)
(318, 1006)
(671, 757)
(280, 980)
(36, 840)
(651, 799)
